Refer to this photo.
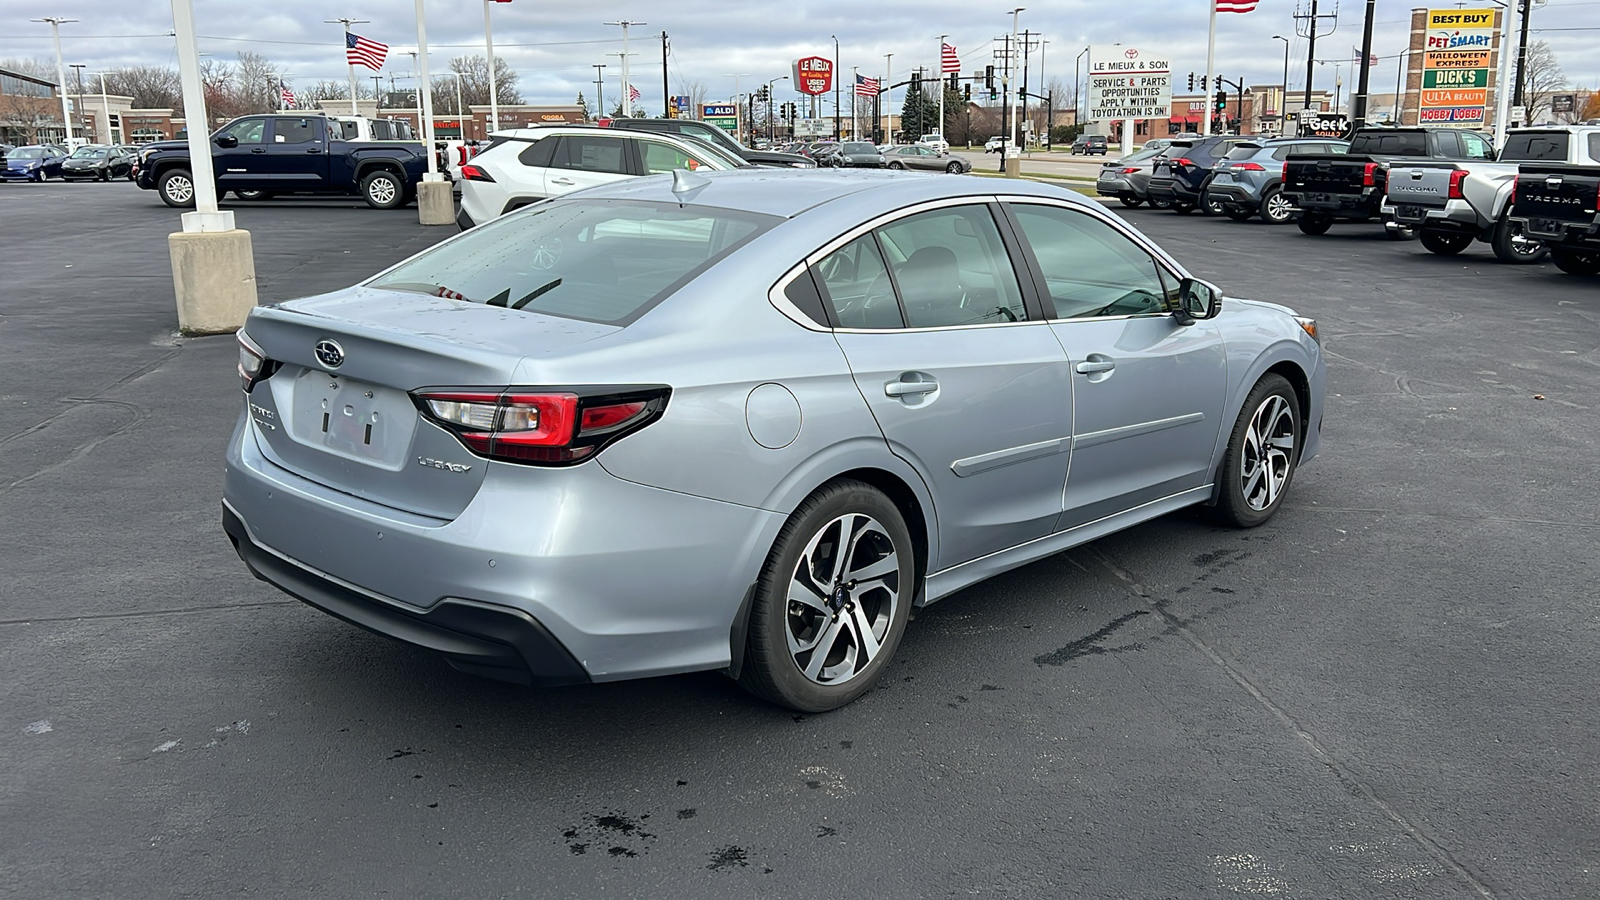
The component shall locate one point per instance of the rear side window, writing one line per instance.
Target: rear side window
(858, 286)
(1594, 146)
(294, 131)
(540, 153)
(1400, 143)
(1540, 146)
(593, 154)
(603, 261)
(951, 268)
(659, 157)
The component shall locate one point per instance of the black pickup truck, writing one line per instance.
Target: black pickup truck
(1350, 186)
(258, 156)
(1560, 206)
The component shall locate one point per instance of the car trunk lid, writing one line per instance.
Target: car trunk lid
(339, 411)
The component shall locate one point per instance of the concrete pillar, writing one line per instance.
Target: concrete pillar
(436, 203)
(214, 277)
(1013, 166)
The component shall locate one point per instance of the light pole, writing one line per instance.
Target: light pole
(488, 50)
(1010, 131)
(461, 122)
(105, 107)
(1283, 102)
(835, 86)
(599, 90)
(736, 105)
(627, 86)
(77, 69)
(884, 98)
(61, 73)
(770, 134)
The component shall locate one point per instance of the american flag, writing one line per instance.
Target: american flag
(1238, 6)
(866, 87)
(633, 94)
(950, 62)
(288, 95)
(360, 51)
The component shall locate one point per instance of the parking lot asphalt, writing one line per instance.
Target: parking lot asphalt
(1387, 691)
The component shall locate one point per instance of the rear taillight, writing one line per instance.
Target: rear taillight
(254, 366)
(1285, 173)
(1248, 167)
(1129, 170)
(1369, 175)
(471, 172)
(537, 427)
(1183, 161)
(1456, 177)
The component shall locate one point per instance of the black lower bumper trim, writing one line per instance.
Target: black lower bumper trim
(464, 221)
(478, 638)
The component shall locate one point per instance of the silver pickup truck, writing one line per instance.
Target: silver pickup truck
(1452, 204)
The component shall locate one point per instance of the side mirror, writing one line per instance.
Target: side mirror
(227, 142)
(1197, 300)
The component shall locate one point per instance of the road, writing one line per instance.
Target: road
(1388, 691)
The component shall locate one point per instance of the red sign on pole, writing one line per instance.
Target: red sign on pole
(813, 75)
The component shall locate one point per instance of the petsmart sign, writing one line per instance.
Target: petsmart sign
(1456, 56)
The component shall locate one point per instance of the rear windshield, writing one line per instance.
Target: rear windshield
(860, 148)
(1141, 155)
(1243, 151)
(1398, 143)
(598, 260)
(1536, 146)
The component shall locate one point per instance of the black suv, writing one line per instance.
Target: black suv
(1182, 173)
(715, 136)
(1089, 145)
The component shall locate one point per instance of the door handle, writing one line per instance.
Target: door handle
(908, 388)
(259, 150)
(1090, 367)
(561, 181)
(314, 150)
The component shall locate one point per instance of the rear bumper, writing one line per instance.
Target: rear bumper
(1234, 194)
(1342, 206)
(1115, 186)
(463, 220)
(1173, 190)
(1584, 235)
(1455, 216)
(479, 638)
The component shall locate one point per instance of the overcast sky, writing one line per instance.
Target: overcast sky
(554, 46)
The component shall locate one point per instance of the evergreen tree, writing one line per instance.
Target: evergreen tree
(583, 106)
(919, 114)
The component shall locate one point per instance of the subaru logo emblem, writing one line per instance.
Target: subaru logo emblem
(329, 353)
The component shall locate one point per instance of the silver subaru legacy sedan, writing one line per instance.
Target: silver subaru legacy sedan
(745, 421)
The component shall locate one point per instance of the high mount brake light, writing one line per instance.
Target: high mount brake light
(1457, 176)
(541, 427)
(470, 172)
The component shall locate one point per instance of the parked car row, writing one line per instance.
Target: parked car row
(41, 162)
(1537, 196)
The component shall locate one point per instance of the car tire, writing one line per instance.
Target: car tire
(1444, 243)
(1576, 262)
(176, 187)
(1129, 200)
(253, 195)
(103, 175)
(1313, 224)
(896, 164)
(804, 598)
(1182, 208)
(382, 189)
(1512, 248)
(1275, 208)
(1263, 452)
(954, 168)
(1239, 214)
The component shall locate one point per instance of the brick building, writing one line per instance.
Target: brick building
(30, 110)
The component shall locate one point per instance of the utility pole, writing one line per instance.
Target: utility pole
(627, 98)
(352, 66)
(1522, 61)
(623, 104)
(835, 86)
(78, 68)
(666, 95)
(61, 73)
(885, 102)
(1309, 32)
(1358, 116)
(1022, 95)
(377, 88)
(599, 90)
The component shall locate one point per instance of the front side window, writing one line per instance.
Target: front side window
(1091, 269)
(248, 131)
(601, 261)
(659, 157)
(593, 154)
(952, 268)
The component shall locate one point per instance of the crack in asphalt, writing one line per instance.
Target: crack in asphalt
(1344, 774)
(149, 613)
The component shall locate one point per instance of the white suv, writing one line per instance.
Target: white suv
(525, 165)
(935, 141)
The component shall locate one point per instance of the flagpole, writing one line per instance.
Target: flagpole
(855, 99)
(350, 66)
(1211, 71)
(884, 99)
(941, 89)
(488, 49)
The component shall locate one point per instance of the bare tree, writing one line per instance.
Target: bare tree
(151, 87)
(474, 72)
(256, 84)
(33, 66)
(696, 92)
(25, 116)
(1542, 79)
(307, 98)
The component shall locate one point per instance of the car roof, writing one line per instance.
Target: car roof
(790, 192)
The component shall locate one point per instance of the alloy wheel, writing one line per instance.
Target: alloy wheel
(180, 189)
(1279, 209)
(1268, 453)
(842, 599)
(382, 190)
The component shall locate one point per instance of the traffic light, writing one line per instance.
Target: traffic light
(955, 81)
(966, 93)
(988, 79)
(1191, 82)
(916, 80)
(1022, 93)
(1222, 101)
(1203, 83)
